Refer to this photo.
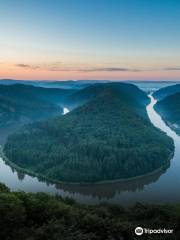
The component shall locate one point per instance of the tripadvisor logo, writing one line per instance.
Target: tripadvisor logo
(139, 231)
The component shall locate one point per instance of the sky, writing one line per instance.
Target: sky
(90, 39)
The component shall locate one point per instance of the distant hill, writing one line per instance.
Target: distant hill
(13, 81)
(109, 137)
(22, 103)
(54, 95)
(68, 84)
(169, 109)
(83, 96)
(166, 91)
(151, 86)
(71, 84)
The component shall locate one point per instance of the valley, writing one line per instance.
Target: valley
(96, 141)
(89, 120)
(127, 191)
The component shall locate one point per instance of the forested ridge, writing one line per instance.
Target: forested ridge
(21, 110)
(109, 137)
(169, 109)
(23, 103)
(166, 91)
(128, 91)
(17, 91)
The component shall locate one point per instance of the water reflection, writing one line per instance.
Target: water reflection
(109, 190)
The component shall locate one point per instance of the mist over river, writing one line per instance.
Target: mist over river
(160, 187)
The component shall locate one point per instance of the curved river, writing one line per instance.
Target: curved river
(162, 187)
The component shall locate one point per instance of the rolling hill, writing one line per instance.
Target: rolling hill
(20, 102)
(89, 93)
(166, 91)
(67, 84)
(169, 109)
(108, 137)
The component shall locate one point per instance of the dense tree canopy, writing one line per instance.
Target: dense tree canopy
(166, 91)
(108, 137)
(128, 91)
(27, 216)
(23, 103)
(169, 109)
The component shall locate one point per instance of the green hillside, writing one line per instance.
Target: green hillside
(21, 103)
(20, 91)
(169, 109)
(166, 91)
(83, 96)
(109, 137)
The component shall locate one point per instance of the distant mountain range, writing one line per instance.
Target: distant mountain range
(79, 84)
(107, 136)
(68, 84)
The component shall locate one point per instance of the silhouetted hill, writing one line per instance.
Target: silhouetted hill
(169, 109)
(166, 91)
(109, 137)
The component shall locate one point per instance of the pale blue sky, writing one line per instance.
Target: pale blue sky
(65, 39)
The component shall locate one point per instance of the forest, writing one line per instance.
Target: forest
(24, 103)
(166, 91)
(169, 109)
(108, 137)
(28, 216)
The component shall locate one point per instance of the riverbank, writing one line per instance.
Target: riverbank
(52, 181)
(172, 127)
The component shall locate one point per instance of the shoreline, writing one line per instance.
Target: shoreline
(170, 125)
(51, 181)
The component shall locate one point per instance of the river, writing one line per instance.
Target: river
(162, 187)
(65, 110)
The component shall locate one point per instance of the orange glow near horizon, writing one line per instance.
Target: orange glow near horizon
(116, 40)
(11, 71)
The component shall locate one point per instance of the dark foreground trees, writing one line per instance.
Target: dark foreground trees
(26, 216)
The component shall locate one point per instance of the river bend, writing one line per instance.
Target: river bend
(162, 187)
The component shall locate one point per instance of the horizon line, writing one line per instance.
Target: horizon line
(108, 80)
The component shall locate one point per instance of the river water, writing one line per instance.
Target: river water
(65, 110)
(162, 187)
